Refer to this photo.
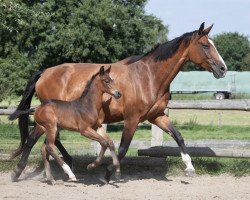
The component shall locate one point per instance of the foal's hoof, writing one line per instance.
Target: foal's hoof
(51, 181)
(13, 176)
(90, 167)
(190, 173)
(118, 175)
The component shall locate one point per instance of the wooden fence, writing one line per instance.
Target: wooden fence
(156, 149)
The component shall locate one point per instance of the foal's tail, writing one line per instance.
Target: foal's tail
(22, 112)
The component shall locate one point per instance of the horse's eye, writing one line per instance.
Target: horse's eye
(205, 46)
(106, 81)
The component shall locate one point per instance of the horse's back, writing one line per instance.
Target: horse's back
(67, 81)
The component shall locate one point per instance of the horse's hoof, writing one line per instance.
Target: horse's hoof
(107, 176)
(72, 179)
(118, 175)
(190, 173)
(104, 181)
(13, 176)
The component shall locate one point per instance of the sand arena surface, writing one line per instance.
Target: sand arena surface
(141, 185)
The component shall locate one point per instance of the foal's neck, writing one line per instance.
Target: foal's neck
(93, 98)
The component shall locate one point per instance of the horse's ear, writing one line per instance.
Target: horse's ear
(207, 30)
(102, 72)
(108, 70)
(201, 28)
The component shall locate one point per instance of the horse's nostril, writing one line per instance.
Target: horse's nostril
(222, 69)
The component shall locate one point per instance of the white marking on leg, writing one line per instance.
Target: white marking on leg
(68, 171)
(187, 160)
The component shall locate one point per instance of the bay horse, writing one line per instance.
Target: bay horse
(144, 82)
(79, 115)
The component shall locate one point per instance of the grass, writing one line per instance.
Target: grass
(74, 142)
(212, 166)
(193, 124)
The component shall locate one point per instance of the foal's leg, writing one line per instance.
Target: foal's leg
(164, 123)
(99, 158)
(50, 147)
(101, 131)
(127, 135)
(47, 168)
(104, 142)
(31, 141)
(66, 157)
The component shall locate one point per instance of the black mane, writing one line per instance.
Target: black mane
(166, 50)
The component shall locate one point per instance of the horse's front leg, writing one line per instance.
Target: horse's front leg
(127, 135)
(163, 122)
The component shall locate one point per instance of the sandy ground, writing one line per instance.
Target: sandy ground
(139, 186)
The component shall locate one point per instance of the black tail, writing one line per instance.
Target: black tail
(24, 105)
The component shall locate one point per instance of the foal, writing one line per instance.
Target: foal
(79, 115)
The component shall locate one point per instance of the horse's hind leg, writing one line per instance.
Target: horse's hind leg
(50, 147)
(164, 123)
(31, 141)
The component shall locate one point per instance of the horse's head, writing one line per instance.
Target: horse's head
(203, 52)
(108, 83)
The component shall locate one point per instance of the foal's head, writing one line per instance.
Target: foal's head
(108, 84)
(203, 52)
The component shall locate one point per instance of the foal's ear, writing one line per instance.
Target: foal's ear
(102, 72)
(108, 70)
(201, 28)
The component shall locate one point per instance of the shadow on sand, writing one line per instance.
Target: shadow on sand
(132, 168)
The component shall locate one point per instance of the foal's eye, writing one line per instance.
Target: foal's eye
(205, 46)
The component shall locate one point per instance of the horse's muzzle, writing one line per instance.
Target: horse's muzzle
(219, 71)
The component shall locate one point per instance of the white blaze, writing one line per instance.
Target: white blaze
(221, 59)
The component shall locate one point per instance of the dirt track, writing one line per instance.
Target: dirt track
(138, 186)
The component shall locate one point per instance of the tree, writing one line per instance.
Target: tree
(43, 33)
(233, 48)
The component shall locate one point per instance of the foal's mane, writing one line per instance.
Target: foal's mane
(87, 87)
(166, 50)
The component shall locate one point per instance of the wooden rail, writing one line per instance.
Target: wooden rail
(195, 152)
(226, 104)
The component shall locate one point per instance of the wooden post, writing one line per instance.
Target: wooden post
(104, 126)
(219, 119)
(156, 136)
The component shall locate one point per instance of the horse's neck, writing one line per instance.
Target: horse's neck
(165, 71)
